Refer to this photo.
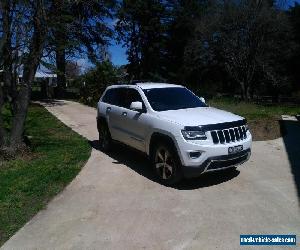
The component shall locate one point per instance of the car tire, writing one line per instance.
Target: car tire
(105, 141)
(166, 163)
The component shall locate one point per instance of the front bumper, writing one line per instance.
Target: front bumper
(206, 149)
(217, 163)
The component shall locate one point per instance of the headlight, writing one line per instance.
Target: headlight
(193, 134)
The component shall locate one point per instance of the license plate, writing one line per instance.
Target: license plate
(235, 149)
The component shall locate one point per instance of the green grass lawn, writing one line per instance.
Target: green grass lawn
(263, 119)
(253, 111)
(28, 182)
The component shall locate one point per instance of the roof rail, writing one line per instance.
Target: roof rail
(138, 81)
(131, 82)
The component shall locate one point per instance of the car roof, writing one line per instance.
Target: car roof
(154, 85)
(147, 85)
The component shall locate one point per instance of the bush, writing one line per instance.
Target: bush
(93, 83)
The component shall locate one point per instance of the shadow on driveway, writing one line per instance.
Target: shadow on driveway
(139, 163)
(290, 130)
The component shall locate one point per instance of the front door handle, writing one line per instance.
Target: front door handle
(108, 109)
(124, 113)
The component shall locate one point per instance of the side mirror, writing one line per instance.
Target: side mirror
(137, 106)
(202, 99)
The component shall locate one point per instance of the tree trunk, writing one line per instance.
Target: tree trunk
(61, 70)
(44, 92)
(245, 91)
(20, 107)
(248, 93)
(60, 53)
(6, 52)
(21, 102)
(2, 130)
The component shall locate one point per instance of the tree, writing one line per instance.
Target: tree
(72, 70)
(141, 26)
(14, 19)
(94, 81)
(32, 30)
(6, 60)
(294, 16)
(181, 26)
(78, 27)
(244, 37)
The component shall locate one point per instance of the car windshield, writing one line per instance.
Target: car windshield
(162, 99)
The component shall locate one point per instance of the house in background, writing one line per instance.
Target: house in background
(44, 83)
(49, 78)
(40, 78)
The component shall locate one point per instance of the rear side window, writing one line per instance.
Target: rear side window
(111, 97)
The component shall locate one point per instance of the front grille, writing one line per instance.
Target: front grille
(229, 135)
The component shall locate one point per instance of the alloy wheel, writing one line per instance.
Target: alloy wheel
(164, 163)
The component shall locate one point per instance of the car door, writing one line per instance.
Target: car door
(113, 110)
(133, 123)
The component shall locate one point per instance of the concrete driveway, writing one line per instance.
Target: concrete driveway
(114, 203)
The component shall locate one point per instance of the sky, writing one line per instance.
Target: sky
(291, 2)
(118, 53)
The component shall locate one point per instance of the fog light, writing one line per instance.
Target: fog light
(195, 154)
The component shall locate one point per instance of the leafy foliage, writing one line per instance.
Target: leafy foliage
(244, 39)
(141, 27)
(180, 30)
(242, 47)
(80, 27)
(293, 65)
(94, 81)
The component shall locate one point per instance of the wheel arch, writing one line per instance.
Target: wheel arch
(158, 137)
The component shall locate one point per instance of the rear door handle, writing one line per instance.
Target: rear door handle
(124, 113)
(108, 109)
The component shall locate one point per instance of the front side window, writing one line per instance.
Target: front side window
(128, 96)
(122, 97)
(162, 99)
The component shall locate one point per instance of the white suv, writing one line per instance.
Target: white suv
(182, 136)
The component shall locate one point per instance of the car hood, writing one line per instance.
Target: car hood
(199, 116)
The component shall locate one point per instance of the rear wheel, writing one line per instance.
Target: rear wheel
(105, 140)
(166, 163)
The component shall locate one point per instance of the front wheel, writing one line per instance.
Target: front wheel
(166, 164)
(105, 140)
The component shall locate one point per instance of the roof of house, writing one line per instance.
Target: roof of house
(41, 74)
(45, 75)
